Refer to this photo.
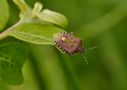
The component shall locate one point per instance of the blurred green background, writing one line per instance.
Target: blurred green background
(100, 23)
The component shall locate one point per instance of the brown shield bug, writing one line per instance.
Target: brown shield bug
(68, 43)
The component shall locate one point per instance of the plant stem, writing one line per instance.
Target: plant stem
(4, 34)
(22, 5)
(24, 9)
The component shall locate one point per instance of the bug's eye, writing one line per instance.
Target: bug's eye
(68, 43)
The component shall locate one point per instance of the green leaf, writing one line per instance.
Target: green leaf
(12, 57)
(36, 33)
(4, 13)
(54, 18)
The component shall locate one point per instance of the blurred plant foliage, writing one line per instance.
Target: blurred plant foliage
(100, 23)
(35, 26)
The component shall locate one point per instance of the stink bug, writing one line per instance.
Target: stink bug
(68, 43)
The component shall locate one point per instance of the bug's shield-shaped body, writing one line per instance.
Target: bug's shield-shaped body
(68, 43)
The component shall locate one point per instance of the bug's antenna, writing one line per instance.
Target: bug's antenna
(82, 52)
(86, 61)
(91, 48)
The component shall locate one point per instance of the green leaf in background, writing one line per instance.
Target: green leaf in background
(12, 57)
(36, 33)
(3, 86)
(4, 13)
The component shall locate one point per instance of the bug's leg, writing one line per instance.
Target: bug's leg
(60, 49)
(71, 33)
(84, 58)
